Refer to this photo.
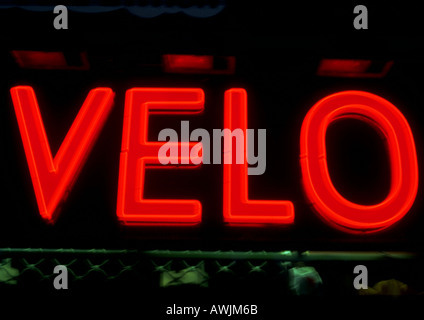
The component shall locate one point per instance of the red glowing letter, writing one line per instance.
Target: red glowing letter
(383, 116)
(138, 154)
(53, 178)
(238, 209)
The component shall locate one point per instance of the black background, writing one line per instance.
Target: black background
(277, 50)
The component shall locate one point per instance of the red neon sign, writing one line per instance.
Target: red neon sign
(383, 116)
(188, 62)
(53, 178)
(138, 154)
(237, 207)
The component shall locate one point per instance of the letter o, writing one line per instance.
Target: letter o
(329, 204)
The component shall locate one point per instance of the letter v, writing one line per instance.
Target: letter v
(53, 178)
